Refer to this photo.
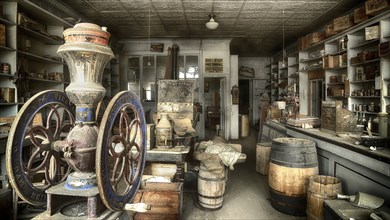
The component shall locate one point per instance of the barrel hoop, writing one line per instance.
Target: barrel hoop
(210, 197)
(294, 165)
(292, 205)
(211, 179)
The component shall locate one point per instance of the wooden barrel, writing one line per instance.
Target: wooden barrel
(292, 162)
(263, 150)
(211, 188)
(320, 188)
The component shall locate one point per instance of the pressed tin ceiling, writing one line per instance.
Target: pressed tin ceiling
(254, 25)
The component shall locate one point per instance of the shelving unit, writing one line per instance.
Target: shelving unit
(274, 82)
(8, 55)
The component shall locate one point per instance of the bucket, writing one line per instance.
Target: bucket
(292, 162)
(211, 187)
(320, 188)
(263, 150)
(244, 125)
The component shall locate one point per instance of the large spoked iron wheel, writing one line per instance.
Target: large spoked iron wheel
(121, 150)
(32, 164)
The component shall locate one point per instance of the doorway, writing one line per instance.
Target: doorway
(317, 95)
(212, 103)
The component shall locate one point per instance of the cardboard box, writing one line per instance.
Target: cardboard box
(343, 22)
(372, 33)
(359, 15)
(375, 7)
(159, 172)
(315, 37)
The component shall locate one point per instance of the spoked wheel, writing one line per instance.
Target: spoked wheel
(121, 150)
(33, 164)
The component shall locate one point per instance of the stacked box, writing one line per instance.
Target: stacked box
(384, 49)
(359, 15)
(329, 30)
(375, 7)
(372, 32)
(2, 35)
(302, 43)
(315, 37)
(343, 22)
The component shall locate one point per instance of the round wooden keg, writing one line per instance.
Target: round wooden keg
(211, 188)
(263, 151)
(320, 188)
(292, 162)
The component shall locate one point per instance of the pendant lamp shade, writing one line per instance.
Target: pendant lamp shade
(212, 24)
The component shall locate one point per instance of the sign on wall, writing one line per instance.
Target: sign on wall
(213, 65)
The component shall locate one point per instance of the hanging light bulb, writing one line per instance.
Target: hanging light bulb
(212, 24)
(284, 62)
(149, 40)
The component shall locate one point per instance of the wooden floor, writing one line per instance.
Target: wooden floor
(246, 194)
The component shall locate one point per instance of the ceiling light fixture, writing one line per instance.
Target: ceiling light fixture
(212, 24)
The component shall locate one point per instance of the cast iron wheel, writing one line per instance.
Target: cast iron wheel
(44, 119)
(121, 150)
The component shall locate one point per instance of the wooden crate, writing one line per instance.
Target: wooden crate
(359, 15)
(384, 49)
(2, 35)
(302, 43)
(372, 32)
(165, 200)
(375, 7)
(315, 37)
(159, 172)
(329, 30)
(343, 22)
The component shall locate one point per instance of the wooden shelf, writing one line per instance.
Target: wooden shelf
(338, 97)
(366, 62)
(337, 68)
(362, 81)
(40, 36)
(5, 21)
(45, 80)
(311, 59)
(6, 48)
(370, 113)
(336, 84)
(38, 58)
(367, 43)
(365, 97)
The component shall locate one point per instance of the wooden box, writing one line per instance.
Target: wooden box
(315, 37)
(372, 32)
(375, 7)
(343, 22)
(302, 43)
(2, 35)
(165, 200)
(359, 15)
(329, 30)
(331, 61)
(384, 49)
(159, 172)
